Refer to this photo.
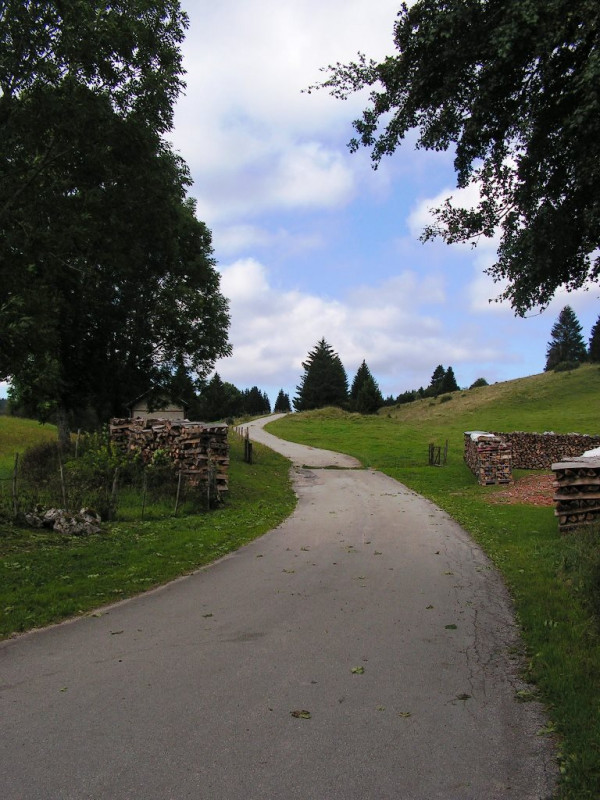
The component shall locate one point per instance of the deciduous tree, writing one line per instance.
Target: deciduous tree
(108, 284)
(511, 87)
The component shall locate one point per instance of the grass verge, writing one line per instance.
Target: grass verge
(46, 577)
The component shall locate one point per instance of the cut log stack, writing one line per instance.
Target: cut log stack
(488, 457)
(577, 492)
(198, 450)
(541, 450)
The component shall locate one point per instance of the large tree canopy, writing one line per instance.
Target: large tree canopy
(512, 86)
(108, 281)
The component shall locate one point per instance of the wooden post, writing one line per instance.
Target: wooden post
(113, 494)
(14, 487)
(144, 492)
(178, 491)
(62, 483)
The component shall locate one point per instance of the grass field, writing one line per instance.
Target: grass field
(554, 580)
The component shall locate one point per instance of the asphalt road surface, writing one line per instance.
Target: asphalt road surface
(363, 649)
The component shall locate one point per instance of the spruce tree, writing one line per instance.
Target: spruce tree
(449, 383)
(324, 382)
(567, 343)
(437, 379)
(594, 348)
(282, 404)
(365, 396)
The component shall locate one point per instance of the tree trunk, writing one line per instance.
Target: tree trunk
(64, 430)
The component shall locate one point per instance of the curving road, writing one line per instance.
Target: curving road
(369, 608)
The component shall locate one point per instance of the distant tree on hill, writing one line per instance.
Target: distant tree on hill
(435, 384)
(449, 383)
(219, 400)
(365, 396)
(256, 402)
(594, 347)
(478, 382)
(567, 344)
(324, 382)
(282, 404)
(407, 397)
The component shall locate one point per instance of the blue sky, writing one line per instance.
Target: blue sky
(310, 241)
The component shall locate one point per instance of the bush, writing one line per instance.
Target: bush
(479, 382)
(567, 366)
(40, 464)
(445, 398)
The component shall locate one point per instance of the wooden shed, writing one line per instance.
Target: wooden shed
(153, 405)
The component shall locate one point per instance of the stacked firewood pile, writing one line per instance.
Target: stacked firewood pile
(541, 450)
(577, 491)
(488, 457)
(198, 450)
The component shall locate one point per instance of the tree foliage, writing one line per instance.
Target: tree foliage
(324, 382)
(567, 344)
(282, 403)
(594, 345)
(108, 281)
(512, 88)
(365, 395)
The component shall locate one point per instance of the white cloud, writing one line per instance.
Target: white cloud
(390, 325)
(253, 140)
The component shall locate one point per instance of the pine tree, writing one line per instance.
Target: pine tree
(365, 396)
(567, 343)
(282, 404)
(324, 382)
(437, 379)
(594, 348)
(449, 383)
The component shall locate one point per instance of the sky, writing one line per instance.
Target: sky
(310, 241)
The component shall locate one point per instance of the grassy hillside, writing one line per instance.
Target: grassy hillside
(554, 580)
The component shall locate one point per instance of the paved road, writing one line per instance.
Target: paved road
(368, 608)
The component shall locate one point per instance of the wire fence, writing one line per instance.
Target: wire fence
(115, 488)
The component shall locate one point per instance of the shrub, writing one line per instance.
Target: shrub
(479, 382)
(567, 366)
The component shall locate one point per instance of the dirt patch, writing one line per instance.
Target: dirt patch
(533, 490)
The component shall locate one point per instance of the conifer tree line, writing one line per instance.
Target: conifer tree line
(325, 383)
(220, 399)
(567, 349)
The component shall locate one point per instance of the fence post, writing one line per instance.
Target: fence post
(62, 484)
(178, 492)
(113, 495)
(14, 487)
(144, 492)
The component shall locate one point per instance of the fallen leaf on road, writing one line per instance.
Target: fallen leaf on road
(301, 714)
(404, 714)
(357, 670)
